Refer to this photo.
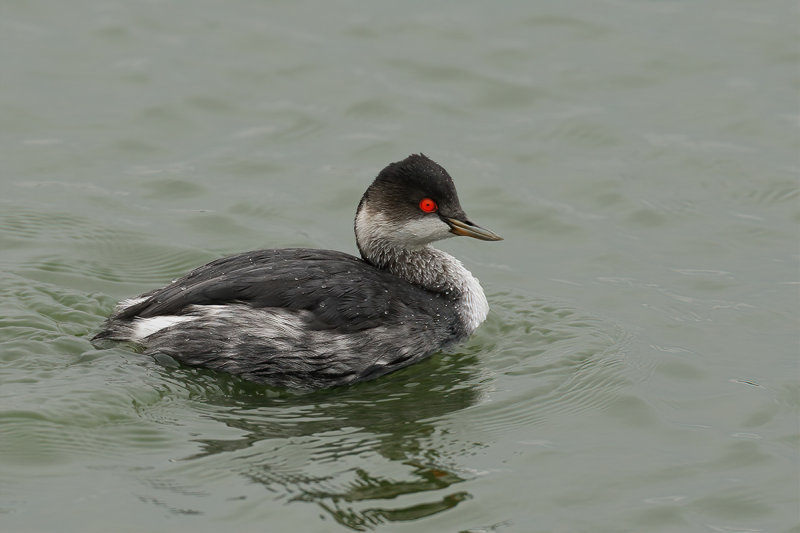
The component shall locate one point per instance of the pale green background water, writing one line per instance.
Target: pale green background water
(639, 369)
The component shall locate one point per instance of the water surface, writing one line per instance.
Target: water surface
(638, 370)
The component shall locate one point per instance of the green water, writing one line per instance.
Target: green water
(639, 370)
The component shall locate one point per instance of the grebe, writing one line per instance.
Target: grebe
(309, 319)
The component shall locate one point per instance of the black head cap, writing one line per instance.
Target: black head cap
(406, 182)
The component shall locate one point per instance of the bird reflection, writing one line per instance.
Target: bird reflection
(348, 449)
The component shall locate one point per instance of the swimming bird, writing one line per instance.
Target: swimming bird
(308, 319)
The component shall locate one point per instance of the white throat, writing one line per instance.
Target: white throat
(406, 253)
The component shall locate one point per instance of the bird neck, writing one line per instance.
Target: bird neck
(424, 266)
(378, 241)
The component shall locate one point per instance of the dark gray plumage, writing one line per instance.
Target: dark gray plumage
(309, 319)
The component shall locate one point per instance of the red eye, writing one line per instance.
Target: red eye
(428, 205)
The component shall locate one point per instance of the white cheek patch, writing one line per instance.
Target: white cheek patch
(374, 226)
(144, 327)
(423, 231)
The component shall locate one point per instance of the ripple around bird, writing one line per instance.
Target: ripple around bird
(376, 452)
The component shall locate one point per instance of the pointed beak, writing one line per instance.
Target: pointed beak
(468, 229)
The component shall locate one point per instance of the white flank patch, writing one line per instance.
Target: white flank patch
(144, 327)
(124, 304)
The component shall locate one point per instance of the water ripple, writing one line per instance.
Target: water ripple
(108, 254)
(381, 451)
(548, 359)
(378, 452)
